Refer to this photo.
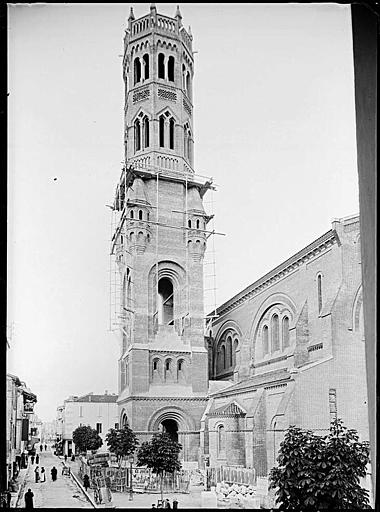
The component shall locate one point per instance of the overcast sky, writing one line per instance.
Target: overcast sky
(274, 123)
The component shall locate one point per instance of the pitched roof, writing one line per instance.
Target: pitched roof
(255, 382)
(96, 398)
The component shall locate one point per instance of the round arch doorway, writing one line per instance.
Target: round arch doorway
(170, 427)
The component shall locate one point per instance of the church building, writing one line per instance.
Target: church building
(288, 349)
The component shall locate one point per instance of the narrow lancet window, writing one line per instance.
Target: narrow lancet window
(146, 66)
(171, 69)
(161, 65)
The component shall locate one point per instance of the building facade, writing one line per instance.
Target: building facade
(97, 411)
(289, 349)
(160, 238)
(20, 426)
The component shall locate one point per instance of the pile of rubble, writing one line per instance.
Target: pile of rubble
(238, 495)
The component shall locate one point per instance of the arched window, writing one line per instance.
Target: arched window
(275, 333)
(229, 350)
(165, 302)
(188, 85)
(137, 70)
(137, 135)
(180, 365)
(189, 223)
(197, 223)
(319, 285)
(146, 131)
(265, 340)
(146, 66)
(168, 363)
(221, 440)
(131, 214)
(140, 214)
(171, 69)
(171, 133)
(223, 357)
(162, 131)
(189, 146)
(161, 65)
(236, 346)
(285, 332)
(183, 77)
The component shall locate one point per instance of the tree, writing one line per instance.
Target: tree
(87, 438)
(322, 472)
(122, 442)
(160, 454)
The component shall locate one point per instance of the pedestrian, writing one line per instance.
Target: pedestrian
(167, 503)
(37, 459)
(43, 476)
(65, 457)
(32, 459)
(175, 503)
(86, 481)
(37, 474)
(29, 499)
(45, 447)
(73, 457)
(41, 447)
(54, 473)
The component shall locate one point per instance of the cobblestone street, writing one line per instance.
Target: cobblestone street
(63, 493)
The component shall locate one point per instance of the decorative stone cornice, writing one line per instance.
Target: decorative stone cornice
(290, 265)
(166, 399)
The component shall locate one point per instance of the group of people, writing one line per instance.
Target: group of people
(165, 504)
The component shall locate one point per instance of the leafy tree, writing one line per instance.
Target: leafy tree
(87, 438)
(161, 455)
(322, 472)
(122, 442)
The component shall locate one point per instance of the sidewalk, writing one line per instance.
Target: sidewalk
(16, 496)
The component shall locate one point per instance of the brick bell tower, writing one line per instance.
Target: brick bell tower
(160, 238)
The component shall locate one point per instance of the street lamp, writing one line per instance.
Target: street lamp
(131, 460)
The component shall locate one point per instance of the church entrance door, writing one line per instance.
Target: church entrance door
(170, 427)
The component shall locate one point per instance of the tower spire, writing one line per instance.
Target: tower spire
(178, 15)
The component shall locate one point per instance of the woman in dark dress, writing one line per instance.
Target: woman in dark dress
(29, 499)
(54, 473)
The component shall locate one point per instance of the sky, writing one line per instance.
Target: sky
(274, 125)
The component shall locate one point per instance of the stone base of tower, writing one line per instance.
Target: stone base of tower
(180, 417)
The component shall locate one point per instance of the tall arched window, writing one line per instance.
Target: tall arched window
(197, 223)
(171, 133)
(285, 332)
(183, 77)
(161, 65)
(166, 302)
(188, 85)
(265, 340)
(229, 348)
(171, 69)
(319, 285)
(275, 333)
(146, 66)
(137, 135)
(189, 223)
(221, 440)
(223, 357)
(137, 70)
(140, 214)
(131, 214)
(236, 345)
(162, 131)
(146, 131)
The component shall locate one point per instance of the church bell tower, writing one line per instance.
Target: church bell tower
(159, 237)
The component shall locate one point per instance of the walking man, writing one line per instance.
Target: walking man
(65, 457)
(45, 447)
(37, 474)
(29, 499)
(54, 473)
(41, 447)
(32, 459)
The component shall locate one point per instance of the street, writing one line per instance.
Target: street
(63, 493)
